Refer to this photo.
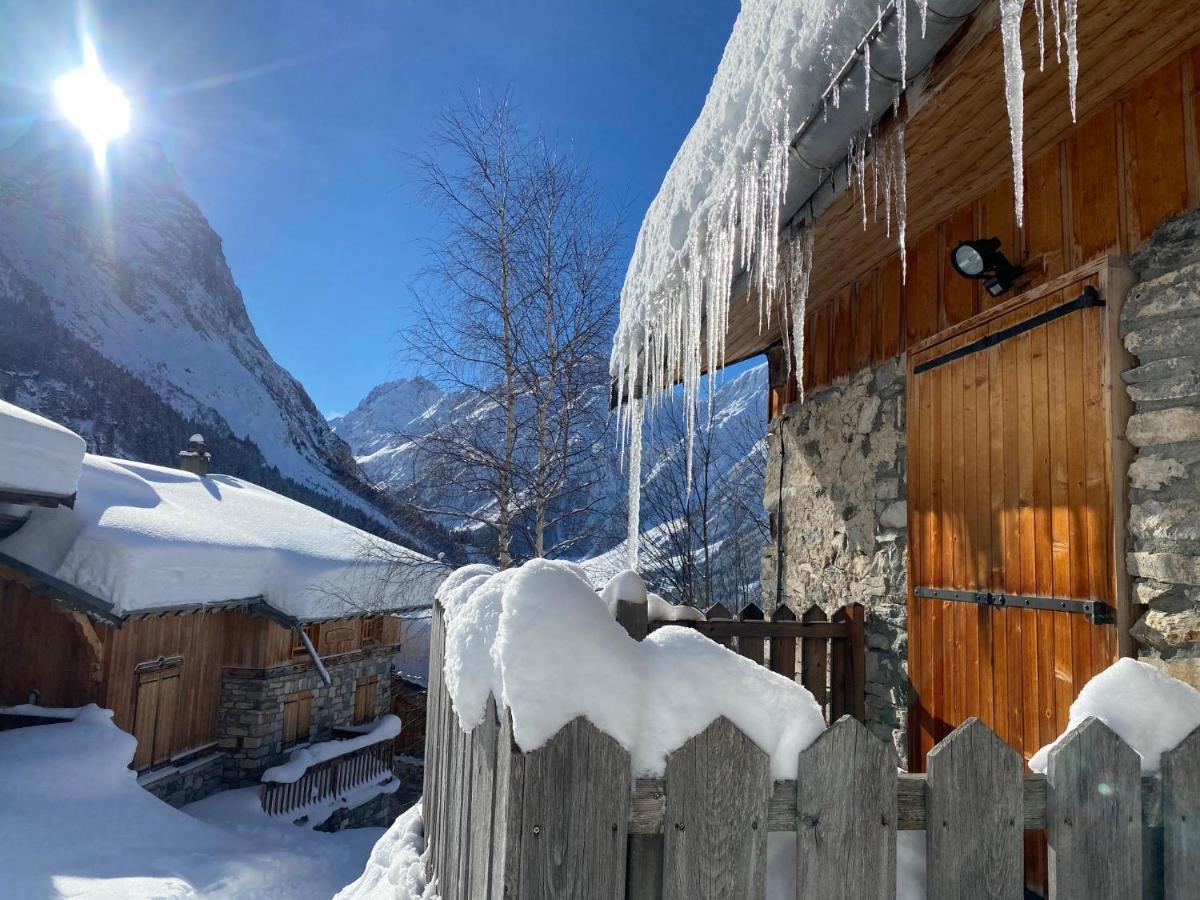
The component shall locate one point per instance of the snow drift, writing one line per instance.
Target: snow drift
(37, 455)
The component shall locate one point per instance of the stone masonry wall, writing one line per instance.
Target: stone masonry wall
(188, 783)
(1160, 324)
(842, 509)
(250, 716)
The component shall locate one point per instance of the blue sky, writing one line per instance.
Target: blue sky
(289, 122)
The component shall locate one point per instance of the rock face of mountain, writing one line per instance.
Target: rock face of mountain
(385, 433)
(122, 320)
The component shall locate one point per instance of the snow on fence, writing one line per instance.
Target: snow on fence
(329, 770)
(569, 820)
(827, 652)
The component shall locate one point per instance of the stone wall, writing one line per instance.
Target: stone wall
(1160, 324)
(842, 508)
(250, 716)
(187, 783)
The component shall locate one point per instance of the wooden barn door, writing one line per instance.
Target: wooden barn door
(1016, 476)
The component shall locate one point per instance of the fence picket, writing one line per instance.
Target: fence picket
(751, 647)
(719, 612)
(434, 778)
(484, 738)
(814, 659)
(974, 836)
(506, 815)
(847, 675)
(575, 816)
(1181, 818)
(715, 822)
(1094, 816)
(846, 806)
(783, 649)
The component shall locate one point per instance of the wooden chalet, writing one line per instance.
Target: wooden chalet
(214, 692)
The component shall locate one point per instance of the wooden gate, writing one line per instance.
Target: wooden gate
(1017, 463)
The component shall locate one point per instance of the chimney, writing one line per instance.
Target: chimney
(194, 458)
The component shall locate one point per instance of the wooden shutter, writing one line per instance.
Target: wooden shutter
(156, 711)
(372, 632)
(365, 691)
(297, 717)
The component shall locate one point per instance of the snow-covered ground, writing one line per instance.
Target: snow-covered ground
(75, 824)
(143, 537)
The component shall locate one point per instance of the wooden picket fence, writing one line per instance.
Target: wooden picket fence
(330, 778)
(827, 653)
(568, 820)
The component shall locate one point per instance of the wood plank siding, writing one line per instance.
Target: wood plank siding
(1095, 188)
(71, 660)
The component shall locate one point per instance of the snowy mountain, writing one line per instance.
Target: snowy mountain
(123, 322)
(384, 431)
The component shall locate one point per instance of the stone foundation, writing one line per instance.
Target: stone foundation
(250, 716)
(187, 783)
(840, 516)
(1160, 324)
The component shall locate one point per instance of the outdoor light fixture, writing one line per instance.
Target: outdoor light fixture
(982, 259)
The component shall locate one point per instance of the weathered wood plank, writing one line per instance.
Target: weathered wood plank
(484, 739)
(750, 646)
(814, 656)
(1093, 816)
(846, 802)
(783, 649)
(649, 804)
(715, 826)
(974, 835)
(1181, 818)
(644, 870)
(507, 815)
(433, 734)
(575, 816)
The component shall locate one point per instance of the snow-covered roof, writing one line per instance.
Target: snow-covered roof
(144, 538)
(37, 456)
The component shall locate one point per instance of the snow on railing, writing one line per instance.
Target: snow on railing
(305, 758)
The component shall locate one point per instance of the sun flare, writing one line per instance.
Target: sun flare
(93, 104)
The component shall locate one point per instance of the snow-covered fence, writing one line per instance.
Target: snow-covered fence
(827, 652)
(569, 820)
(329, 770)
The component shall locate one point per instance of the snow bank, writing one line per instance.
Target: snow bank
(545, 644)
(143, 537)
(37, 455)
(396, 869)
(76, 824)
(1151, 711)
(304, 758)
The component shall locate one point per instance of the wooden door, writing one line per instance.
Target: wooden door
(156, 713)
(1016, 487)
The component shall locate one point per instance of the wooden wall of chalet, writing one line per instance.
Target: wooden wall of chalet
(1097, 188)
(72, 660)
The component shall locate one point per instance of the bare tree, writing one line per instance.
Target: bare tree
(513, 321)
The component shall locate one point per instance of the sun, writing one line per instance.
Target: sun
(93, 104)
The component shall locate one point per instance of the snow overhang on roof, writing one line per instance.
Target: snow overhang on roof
(144, 540)
(40, 460)
(799, 80)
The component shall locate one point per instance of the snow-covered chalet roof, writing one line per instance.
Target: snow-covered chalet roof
(37, 456)
(144, 538)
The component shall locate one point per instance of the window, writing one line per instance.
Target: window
(156, 708)
(372, 632)
(366, 693)
(297, 716)
(339, 640)
(314, 635)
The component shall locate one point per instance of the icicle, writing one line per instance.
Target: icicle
(1014, 91)
(902, 40)
(867, 75)
(801, 253)
(1071, 33)
(635, 415)
(837, 95)
(1041, 28)
(900, 161)
(1054, 5)
(924, 15)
